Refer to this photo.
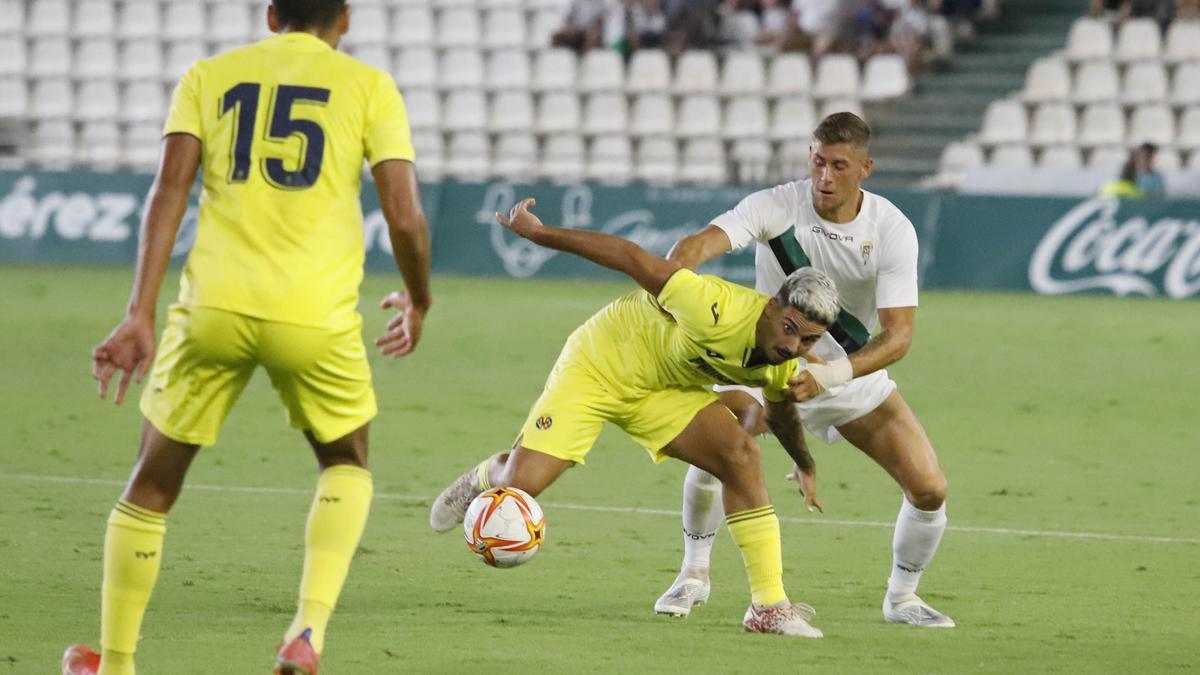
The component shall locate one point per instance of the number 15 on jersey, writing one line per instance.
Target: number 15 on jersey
(242, 101)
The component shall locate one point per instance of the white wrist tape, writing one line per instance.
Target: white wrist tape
(832, 374)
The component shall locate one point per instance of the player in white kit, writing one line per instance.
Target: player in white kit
(869, 248)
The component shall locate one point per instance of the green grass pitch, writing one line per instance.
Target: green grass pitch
(1067, 426)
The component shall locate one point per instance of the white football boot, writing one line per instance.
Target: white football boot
(782, 619)
(685, 593)
(450, 507)
(915, 611)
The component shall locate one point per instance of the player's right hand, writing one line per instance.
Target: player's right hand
(404, 330)
(521, 221)
(130, 349)
(806, 482)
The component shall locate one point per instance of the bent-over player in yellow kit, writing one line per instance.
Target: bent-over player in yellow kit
(281, 129)
(646, 363)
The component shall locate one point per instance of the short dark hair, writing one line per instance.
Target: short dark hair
(307, 14)
(844, 127)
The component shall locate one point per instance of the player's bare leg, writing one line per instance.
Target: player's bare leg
(715, 442)
(335, 525)
(523, 468)
(893, 437)
(703, 514)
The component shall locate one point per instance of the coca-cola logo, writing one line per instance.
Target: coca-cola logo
(1090, 249)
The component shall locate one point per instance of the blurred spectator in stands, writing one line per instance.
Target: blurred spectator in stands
(1162, 11)
(821, 24)
(1189, 10)
(873, 28)
(960, 13)
(910, 32)
(635, 24)
(583, 25)
(1138, 176)
(775, 22)
(691, 24)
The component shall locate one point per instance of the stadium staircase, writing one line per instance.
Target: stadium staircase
(949, 104)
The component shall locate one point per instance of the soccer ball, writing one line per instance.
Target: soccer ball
(504, 527)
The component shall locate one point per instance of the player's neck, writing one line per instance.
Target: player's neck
(330, 36)
(845, 212)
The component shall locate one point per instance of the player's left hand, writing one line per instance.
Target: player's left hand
(130, 349)
(806, 482)
(521, 221)
(803, 387)
(404, 330)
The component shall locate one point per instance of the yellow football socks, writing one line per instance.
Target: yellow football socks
(132, 555)
(482, 480)
(756, 533)
(335, 525)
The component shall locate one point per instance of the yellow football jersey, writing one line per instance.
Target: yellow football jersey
(703, 334)
(284, 124)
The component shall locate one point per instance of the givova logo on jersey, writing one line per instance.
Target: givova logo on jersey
(1089, 248)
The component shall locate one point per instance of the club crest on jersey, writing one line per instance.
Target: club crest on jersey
(544, 422)
(867, 247)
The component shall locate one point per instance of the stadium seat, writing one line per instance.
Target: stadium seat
(430, 155)
(563, 159)
(504, 28)
(139, 19)
(1152, 123)
(960, 157)
(649, 72)
(703, 162)
(48, 18)
(1193, 164)
(546, 23)
(837, 77)
(1109, 159)
(1185, 86)
(1138, 40)
(97, 100)
(742, 28)
(792, 158)
(699, 117)
(558, 113)
(657, 161)
(95, 57)
(601, 70)
(696, 73)
(512, 111)
(53, 143)
(508, 69)
(468, 157)
(50, 57)
(1089, 39)
(653, 115)
(99, 145)
(751, 158)
(605, 114)
(1053, 124)
(610, 160)
(1167, 160)
(1004, 122)
(12, 56)
(837, 105)
(231, 21)
(1189, 130)
(14, 97)
(424, 109)
(143, 102)
(793, 118)
(416, 68)
(789, 74)
(52, 99)
(885, 76)
(461, 68)
(1011, 157)
(1063, 157)
(458, 27)
(140, 60)
(494, 4)
(1048, 79)
(94, 18)
(186, 21)
(515, 157)
(140, 145)
(745, 118)
(1144, 82)
(1183, 42)
(742, 74)
(465, 110)
(375, 55)
(12, 17)
(554, 70)
(1096, 81)
(1102, 124)
(412, 27)
(369, 25)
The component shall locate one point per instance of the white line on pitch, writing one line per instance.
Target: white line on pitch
(629, 510)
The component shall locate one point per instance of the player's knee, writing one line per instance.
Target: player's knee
(929, 494)
(741, 461)
(155, 493)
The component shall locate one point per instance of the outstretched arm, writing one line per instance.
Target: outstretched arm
(696, 249)
(649, 271)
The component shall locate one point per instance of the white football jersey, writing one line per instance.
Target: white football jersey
(872, 259)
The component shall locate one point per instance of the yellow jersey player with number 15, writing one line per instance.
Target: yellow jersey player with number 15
(280, 128)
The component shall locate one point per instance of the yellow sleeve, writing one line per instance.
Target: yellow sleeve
(184, 116)
(695, 302)
(777, 385)
(387, 135)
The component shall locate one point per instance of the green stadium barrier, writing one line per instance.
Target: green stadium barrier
(1047, 245)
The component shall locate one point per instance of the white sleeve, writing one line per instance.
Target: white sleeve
(896, 284)
(759, 217)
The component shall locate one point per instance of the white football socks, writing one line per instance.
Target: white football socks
(703, 514)
(917, 536)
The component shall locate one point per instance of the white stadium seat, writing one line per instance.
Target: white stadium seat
(412, 27)
(231, 21)
(546, 23)
(1063, 157)
(649, 72)
(52, 99)
(184, 21)
(1193, 164)
(1189, 130)
(461, 68)
(94, 18)
(416, 68)
(554, 70)
(601, 70)
(789, 74)
(95, 57)
(368, 25)
(1185, 86)
(605, 114)
(424, 109)
(657, 161)
(745, 118)
(468, 157)
(504, 28)
(1144, 82)
(837, 77)
(14, 97)
(653, 115)
(143, 101)
(515, 157)
(1183, 42)
(558, 113)
(458, 27)
(12, 17)
(12, 56)
(99, 145)
(751, 159)
(696, 73)
(1167, 160)
(508, 69)
(430, 155)
(1102, 124)
(885, 76)
(959, 157)
(742, 74)
(1153, 123)
(703, 162)
(139, 19)
(140, 60)
(1109, 159)
(53, 143)
(1048, 79)
(374, 55)
(465, 110)
(1138, 40)
(97, 100)
(699, 116)
(512, 111)
(563, 159)
(50, 57)
(493, 4)
(141, 144)
(793, 119)
(1089, 39)
(837, 105)
(610, 160)
(1011, 157)
(1096, 81)
(48, 17)
(1053, 124)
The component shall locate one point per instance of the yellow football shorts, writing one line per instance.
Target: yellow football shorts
(206, 357)
(566, 419)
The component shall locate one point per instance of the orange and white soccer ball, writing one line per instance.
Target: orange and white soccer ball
(504, 527)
